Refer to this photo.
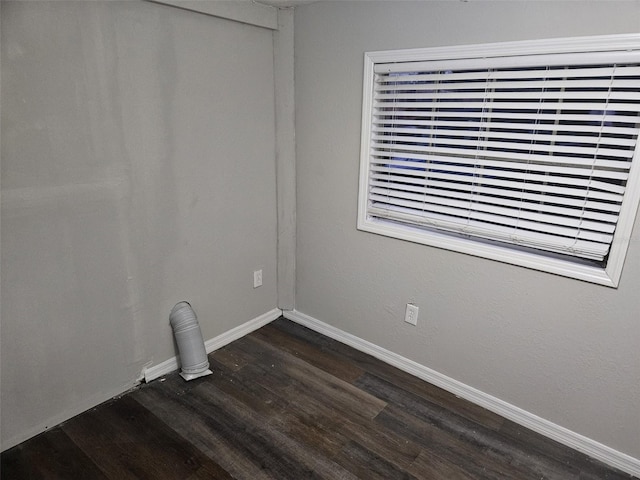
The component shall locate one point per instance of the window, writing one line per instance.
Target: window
(522, 152)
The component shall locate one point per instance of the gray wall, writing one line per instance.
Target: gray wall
(133, 177)
(559, 348)
(138, 170)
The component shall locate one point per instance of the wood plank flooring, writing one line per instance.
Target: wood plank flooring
(287, 403)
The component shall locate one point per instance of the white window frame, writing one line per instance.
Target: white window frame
(608, 275)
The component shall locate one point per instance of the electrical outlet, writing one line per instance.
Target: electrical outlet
(257, 278)
(411, 314)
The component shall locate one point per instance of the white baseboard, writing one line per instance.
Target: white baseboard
(555, 432)
(215, 343)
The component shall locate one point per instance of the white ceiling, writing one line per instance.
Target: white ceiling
(285, 3)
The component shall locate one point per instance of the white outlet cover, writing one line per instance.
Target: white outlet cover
(411, 314)
(257, 278)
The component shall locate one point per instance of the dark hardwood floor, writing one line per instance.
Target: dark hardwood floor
(287, 403)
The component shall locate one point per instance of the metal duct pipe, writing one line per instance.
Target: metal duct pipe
(186, 330)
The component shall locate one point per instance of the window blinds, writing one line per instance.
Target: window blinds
(530, 151)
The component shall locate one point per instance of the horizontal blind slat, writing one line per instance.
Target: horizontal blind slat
(392, 142)
(592, 207)
(580, 63)
(502, 209)
(490, 94)
(448, 75)
(497, 116)
(575, 188)
(473, 125)
(454, 157)
(494, 217)
(522, 137)
(525, 83)
(586, 249)
(517, 225)
(533, 107)
(481, 166)
(458, 173)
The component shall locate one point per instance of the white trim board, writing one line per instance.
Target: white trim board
(214, 343)
(555, 432)
(249, 12)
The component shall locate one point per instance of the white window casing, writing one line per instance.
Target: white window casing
(522, 152)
